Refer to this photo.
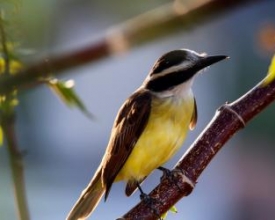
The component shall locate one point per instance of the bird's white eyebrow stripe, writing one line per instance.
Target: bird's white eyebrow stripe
(171, 69)
(182, 66)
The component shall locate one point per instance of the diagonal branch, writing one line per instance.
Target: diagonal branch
(228, 120)
(154, 24)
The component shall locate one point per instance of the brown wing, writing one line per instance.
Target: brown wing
(129, 124)
(194, 118)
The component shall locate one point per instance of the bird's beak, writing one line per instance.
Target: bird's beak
(209, 60)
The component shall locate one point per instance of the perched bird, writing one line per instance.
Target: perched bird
(150, 127)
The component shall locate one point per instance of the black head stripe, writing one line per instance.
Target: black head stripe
(170, 80)
(169, 59)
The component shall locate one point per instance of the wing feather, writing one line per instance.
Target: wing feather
(194, 118)
(128, 126)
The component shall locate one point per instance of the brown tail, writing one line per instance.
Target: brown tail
(88, 200)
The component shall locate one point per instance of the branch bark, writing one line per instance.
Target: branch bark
(227, 121)
(154, 24)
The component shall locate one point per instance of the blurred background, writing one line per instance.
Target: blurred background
(63, 147)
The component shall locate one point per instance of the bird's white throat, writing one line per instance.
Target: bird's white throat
(178, 92)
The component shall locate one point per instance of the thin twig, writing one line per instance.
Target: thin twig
(154, 24)
(4, 45)
(228, 120)
(7, 121)
(17, 167)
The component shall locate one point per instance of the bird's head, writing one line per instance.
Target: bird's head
(177, 67)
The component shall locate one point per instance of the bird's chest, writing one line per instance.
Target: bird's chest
(169, 124)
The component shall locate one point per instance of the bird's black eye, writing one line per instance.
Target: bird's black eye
(169, 59)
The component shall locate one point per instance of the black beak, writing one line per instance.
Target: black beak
(209, 60)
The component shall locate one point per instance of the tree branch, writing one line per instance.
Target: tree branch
(157, 23)
(228, 120)
(17, 167)
(7, 121)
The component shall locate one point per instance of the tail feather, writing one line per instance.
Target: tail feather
(88, 200)
(131, 186)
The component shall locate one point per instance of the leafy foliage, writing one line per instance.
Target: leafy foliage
(173, 210)
(271, 73)
(14, 66)
(8, 66)
(65, 91)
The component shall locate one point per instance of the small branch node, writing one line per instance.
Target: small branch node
(184, 177)
(228, 108)
(117, 41)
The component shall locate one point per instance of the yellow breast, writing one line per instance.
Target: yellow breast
(163, 136)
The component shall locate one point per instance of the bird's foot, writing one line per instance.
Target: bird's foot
(149, 201)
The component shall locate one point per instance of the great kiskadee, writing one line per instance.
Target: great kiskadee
(149, 128)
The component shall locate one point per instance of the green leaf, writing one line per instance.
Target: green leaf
(271, 73)
(173, 209)
(164, 216)
(1, 136)
(65, 91)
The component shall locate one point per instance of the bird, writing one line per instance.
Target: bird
(150, 127)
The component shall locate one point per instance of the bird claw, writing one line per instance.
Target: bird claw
(150, 201)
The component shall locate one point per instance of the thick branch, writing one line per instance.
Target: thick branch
(151, 25)
(228, 120)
